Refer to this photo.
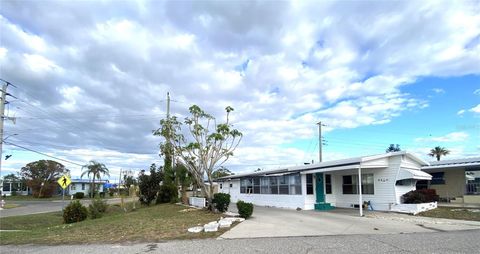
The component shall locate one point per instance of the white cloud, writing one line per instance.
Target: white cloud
(461, 112)
(475, 109)
(102, 75)
(476, 92)
(450, 137)
(438, 90)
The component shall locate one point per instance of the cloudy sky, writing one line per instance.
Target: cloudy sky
(91, 77)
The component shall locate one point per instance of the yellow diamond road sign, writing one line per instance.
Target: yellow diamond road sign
(64, 181)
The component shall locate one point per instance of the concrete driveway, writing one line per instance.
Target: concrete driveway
(44, 206)
(275, 222)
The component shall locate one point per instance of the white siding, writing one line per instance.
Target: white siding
(302, 201)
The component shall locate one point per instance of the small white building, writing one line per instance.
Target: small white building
(84, 185)
(380, 180)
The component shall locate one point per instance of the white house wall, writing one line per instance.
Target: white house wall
(302, 201)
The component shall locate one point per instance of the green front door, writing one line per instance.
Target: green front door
(319, 189)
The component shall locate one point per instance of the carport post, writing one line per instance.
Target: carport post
(360, 205)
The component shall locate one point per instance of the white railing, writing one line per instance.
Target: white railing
(198, 202)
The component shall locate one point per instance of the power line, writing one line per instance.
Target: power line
(44, 154)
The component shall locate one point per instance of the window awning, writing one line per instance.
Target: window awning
(406, 173)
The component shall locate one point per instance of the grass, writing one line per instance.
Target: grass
(10, 206)
(155, 223)
(453, 213)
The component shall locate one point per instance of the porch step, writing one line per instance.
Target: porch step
(323, 206)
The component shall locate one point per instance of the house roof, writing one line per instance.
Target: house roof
(463, 162)
(334, 164)
(78, 180)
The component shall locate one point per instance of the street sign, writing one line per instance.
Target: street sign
(64, 181)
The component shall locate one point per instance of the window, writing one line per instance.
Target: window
(367, 184)
(6, 186)
(350, 184)
(231, 185)
(437, 178)
(405, 182)
(285, 185)
(295, 183)
(83, 186)
(73, 187)
(220, 186)
(273, 185)
(328, 184)
(256, 185)
(309, 184)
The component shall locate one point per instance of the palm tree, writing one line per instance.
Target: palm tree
(95, 169)
(438, 152)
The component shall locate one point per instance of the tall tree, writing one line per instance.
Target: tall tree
(207, 147)
(438, 152)
(96, 169)
(393, 148)
(41, 176)
(221, 172)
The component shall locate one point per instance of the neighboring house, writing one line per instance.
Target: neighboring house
(456, 181)
(384, 179)
(84, 185)
(18, 188)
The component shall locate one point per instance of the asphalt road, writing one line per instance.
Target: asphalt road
(440, 242)
(33, 207)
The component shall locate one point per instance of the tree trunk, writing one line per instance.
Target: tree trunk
(92, 191)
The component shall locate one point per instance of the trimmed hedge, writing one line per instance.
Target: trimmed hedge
(420, 196)
(221, 201)
(244, 209)
(74, 212)
(79, 195)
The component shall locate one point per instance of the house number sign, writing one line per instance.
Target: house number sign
(383, 180)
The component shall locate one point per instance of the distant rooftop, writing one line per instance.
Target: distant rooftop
(472, 161)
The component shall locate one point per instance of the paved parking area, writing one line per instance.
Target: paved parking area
(275, 222)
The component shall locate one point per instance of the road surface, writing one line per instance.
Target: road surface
(42, 206)
(439, 242)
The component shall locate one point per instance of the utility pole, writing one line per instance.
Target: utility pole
(2, 119)
(320, 141)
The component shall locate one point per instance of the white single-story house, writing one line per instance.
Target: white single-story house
(84, 185)
(380, 180)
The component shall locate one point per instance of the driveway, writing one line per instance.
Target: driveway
(275, 222)
(40, 206)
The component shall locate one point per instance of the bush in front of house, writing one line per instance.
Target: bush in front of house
(244, 209)
(79, 195)
(97, 208)
(168, 194)
(221, 201)
(420, 196)
(74, 212)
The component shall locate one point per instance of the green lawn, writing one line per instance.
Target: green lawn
(454, 213)
(155, 223)
(31, 198)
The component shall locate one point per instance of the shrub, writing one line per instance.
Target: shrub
(221, 201)
(244, 209)
(168, 194)
(149, 185)
(102, 194)
(97, 208)
(111, 192)
(74, 212)
(79, 195)
(420, 196)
